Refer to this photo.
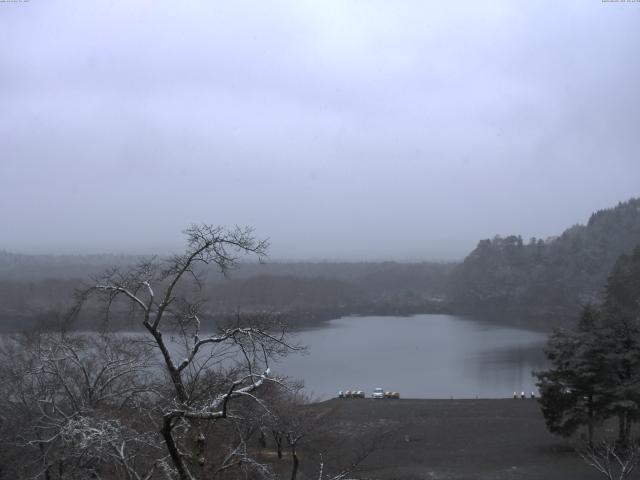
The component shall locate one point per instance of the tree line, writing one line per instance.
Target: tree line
(595, 370)
(306, 293)
(533, 282)
(545, 280)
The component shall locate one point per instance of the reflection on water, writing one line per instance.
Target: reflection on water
(423, 356)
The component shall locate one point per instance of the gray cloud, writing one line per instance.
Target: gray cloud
(343, 130)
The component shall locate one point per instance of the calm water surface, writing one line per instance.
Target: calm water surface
(422, 356)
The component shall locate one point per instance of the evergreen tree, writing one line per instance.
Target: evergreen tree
(573, 392)
(622, 298)
(622, 339)
(595, 368)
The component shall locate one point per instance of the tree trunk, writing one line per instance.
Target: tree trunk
(278, 439)
(200, 443)
(176, 457)
(623, 438)
(173, 372)
(627, 433)
(294, 468)
(591, 421)
(47, 470)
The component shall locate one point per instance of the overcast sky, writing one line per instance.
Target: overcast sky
(340, 130)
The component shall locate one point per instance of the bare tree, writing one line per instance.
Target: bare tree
(65, 399)
(612, 460)
(298, 425)
(207, 373)
(290, 421)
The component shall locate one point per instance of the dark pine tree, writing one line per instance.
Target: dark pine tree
(621, 337)
(573, 391)
(595, 367)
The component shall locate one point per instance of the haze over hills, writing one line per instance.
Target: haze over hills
(531, 282)
(546, 280)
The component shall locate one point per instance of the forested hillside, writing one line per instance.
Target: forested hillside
(536, 281)
(546, 281)
(37, 288)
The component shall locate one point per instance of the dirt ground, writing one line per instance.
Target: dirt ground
(440, 439)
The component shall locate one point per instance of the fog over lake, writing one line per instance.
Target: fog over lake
(422, 356)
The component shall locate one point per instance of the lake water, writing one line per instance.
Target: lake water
(422, 356)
